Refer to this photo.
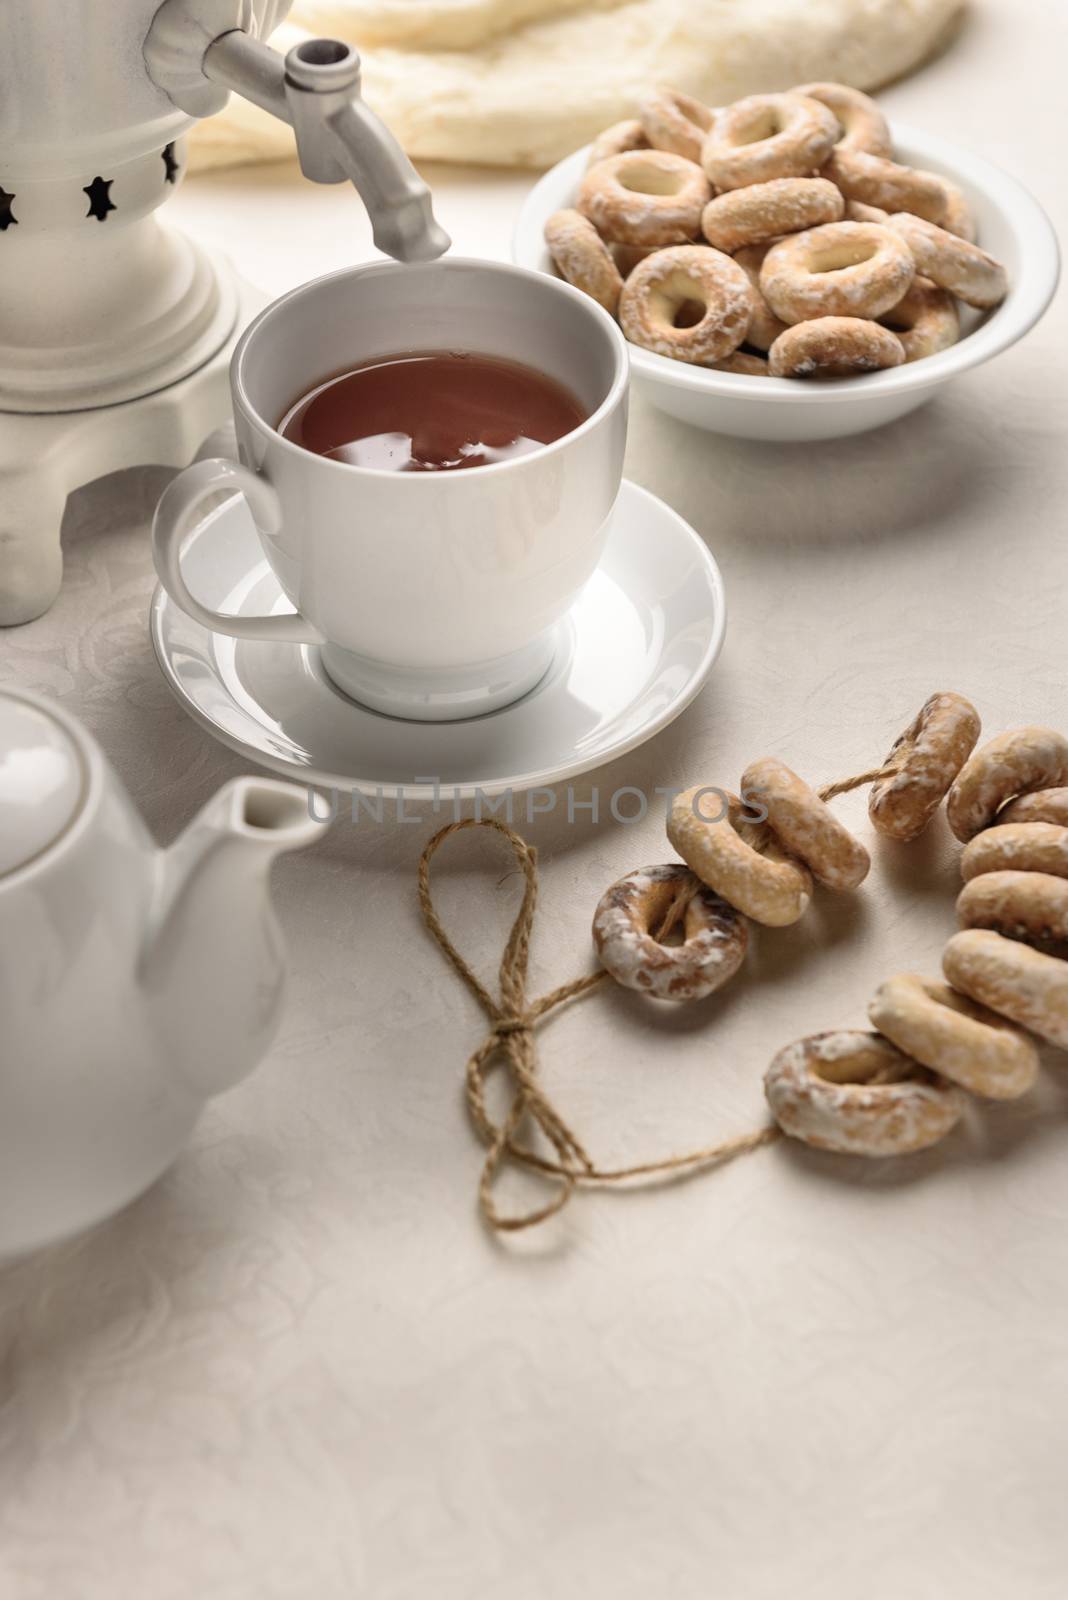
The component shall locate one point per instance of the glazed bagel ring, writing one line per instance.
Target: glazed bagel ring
(930, 753)
(764, 211)
(1025, 985)
(764, 326)
(744, 364)
(837, 346)
(715, 936)
(857, 211)
(854, 1092)
(1017, 847)
(676, 122)
(768, 136)
(627, 256)
(952, 262)
(958, 218)
(1012, 764)
(621, 136)
(645, 197)
(1032, 906)
(844, 269)
(806, 825)
(740, 860)
(583, 258)
(954, 1037)
(664, 283)
(886, 184)
(926, 320)
(863, 126)
(1042, 805)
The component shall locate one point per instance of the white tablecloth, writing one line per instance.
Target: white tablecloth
(301, 1368)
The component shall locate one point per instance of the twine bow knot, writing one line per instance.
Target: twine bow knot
(510, 1040)
(508, 1025)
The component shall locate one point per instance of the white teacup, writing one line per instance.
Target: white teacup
(431, 594)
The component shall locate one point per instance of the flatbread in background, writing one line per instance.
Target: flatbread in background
(534, 90)
(432, 24)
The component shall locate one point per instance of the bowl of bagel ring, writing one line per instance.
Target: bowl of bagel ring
(791, 267)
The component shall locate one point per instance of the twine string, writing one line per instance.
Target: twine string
(510, 1043)
(831, 791)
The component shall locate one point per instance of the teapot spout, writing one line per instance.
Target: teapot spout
(267, 814)
(213, 961)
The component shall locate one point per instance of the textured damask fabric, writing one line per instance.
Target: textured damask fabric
(299, 1369)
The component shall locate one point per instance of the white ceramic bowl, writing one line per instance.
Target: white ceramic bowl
(1012, 226)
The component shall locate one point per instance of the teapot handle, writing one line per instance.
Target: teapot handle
(179, 511)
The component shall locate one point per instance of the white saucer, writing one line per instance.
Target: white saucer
(632, 653)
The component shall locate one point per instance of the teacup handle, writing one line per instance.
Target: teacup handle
(177, 514)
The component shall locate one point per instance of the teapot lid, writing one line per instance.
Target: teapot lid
(42, 780)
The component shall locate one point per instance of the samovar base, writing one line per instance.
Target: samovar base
(45, 456)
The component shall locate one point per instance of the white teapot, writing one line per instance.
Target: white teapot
(135, 982)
